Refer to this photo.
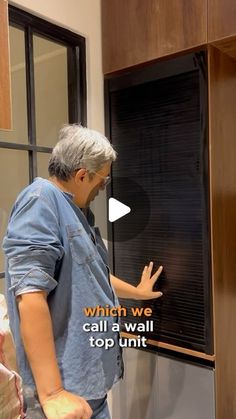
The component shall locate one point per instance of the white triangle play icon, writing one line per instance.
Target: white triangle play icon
(117, 210)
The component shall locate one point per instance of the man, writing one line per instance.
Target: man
(56, 265)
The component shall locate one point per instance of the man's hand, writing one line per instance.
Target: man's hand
(65, 405)
(145, 287)
(144, 290)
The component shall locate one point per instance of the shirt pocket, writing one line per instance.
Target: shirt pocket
(81, 245)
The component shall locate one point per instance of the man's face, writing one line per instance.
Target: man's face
(86, 188)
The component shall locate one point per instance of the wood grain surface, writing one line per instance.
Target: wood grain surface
(227, 45)
(174, 348)
(138, 31)
(5, 96)
(222, 137)
(221, 19)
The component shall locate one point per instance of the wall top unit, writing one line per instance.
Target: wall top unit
(137, 31)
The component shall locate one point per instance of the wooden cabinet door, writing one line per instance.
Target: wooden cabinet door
(137, 31)
(5, 98)
(222, 19)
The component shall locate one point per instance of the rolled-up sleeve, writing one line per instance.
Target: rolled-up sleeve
(33, 246)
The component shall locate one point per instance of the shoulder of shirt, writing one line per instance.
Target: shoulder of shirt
(42, 189)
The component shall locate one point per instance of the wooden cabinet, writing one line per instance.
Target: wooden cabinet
(221, 19)
(137, 31)
(5, 97)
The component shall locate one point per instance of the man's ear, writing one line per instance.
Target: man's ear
(80, 174)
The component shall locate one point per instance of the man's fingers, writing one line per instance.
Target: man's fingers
(143, 277)
(88, 412)
(87, 416)
(151, 295)
(157, 274)
(147, 270)
(150, 266)
(157, 294)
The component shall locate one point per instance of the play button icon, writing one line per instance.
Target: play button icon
(128, 209)
(117, 210)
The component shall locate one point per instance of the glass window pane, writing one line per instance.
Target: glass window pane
(51, 92)
(19, 134)
(42, 162)
(14, 177)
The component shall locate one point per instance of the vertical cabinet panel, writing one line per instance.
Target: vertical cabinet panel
(138, 31)
(222, 94)
(222, 19)
(5, 98)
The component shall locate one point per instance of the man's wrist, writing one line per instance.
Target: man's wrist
(47, 395)
(138, 293)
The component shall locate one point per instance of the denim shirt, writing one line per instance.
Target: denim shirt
(49, 245)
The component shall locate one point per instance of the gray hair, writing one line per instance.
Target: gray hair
(78, 148)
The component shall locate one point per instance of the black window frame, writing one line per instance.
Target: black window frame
(76, 70)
